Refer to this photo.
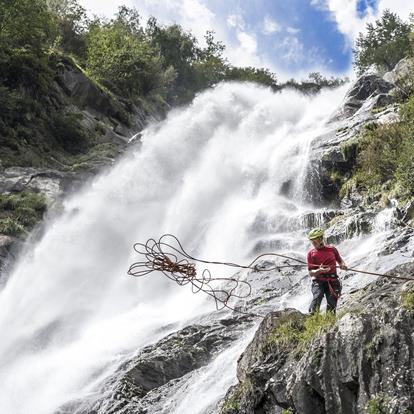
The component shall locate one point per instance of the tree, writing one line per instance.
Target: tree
(26, 24)
(179, 50)
(386, 42)
(72, 23)
(251, 74)
(122, 60)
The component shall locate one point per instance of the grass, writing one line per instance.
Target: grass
(20, 212)
(297, 332)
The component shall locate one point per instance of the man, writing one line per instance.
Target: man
(322, 261)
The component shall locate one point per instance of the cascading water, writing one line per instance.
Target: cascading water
(224, 174)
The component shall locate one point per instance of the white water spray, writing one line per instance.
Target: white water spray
(69, 313)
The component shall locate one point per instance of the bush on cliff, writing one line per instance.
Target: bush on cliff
(20, 212)
(386, 155)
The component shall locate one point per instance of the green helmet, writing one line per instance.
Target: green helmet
(315, 233)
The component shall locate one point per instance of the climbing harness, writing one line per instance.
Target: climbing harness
(168, 256)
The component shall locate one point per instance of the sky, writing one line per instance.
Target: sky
(290, 37)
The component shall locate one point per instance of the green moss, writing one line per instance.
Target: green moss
(378, 405)
(297, 332)
(407, 299)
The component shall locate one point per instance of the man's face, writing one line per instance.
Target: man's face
(317, 243)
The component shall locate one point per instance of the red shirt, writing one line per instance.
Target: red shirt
(327, 255)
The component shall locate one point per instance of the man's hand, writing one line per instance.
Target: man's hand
(324, 269)
(343, 266)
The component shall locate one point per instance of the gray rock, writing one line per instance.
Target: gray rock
(401, 71)
(366, 87)
(160, 366)
(364, 358)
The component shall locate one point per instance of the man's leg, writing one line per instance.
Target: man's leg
(332, 295)
(318, 293)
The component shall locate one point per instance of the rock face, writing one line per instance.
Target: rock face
(364, 361)
(159, 366)
(371, 99)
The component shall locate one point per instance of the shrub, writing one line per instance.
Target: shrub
(20, 212)
(69, 133)
(11, 227)
(386, 155)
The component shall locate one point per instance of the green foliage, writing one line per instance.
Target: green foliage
(314, 83)
(385, 43)
(120, 58)
(11, 227)
(69, 133)
(26, 24)
(20, 212)
(378, 405)
(250, 74)
(23, 68)
(296, 332)
(407, 299)
(72, 25)
(386, 154)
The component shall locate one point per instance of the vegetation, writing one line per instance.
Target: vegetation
(385, 43)
(20, 212)
(378, 405)
(239, 392)
(407, 299)
(296, 332)
(385, 156)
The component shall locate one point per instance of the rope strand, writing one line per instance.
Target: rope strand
(178, 265)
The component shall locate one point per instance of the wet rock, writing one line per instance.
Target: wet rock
(160, 365)
(350, 225)
(52, 183)
(408, 211)
(365, 88)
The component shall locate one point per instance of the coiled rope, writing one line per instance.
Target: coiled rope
(168, 256)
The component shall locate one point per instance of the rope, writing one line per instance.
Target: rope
(178, 265)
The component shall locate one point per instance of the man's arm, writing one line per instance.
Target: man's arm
(342, 264)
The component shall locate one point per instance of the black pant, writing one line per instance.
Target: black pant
(320, 289)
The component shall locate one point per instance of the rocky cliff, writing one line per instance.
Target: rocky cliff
(49, 149)
(359, 362)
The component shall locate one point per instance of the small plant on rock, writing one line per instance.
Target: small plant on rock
(407, 299)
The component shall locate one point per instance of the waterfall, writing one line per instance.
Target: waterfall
(224, 174)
